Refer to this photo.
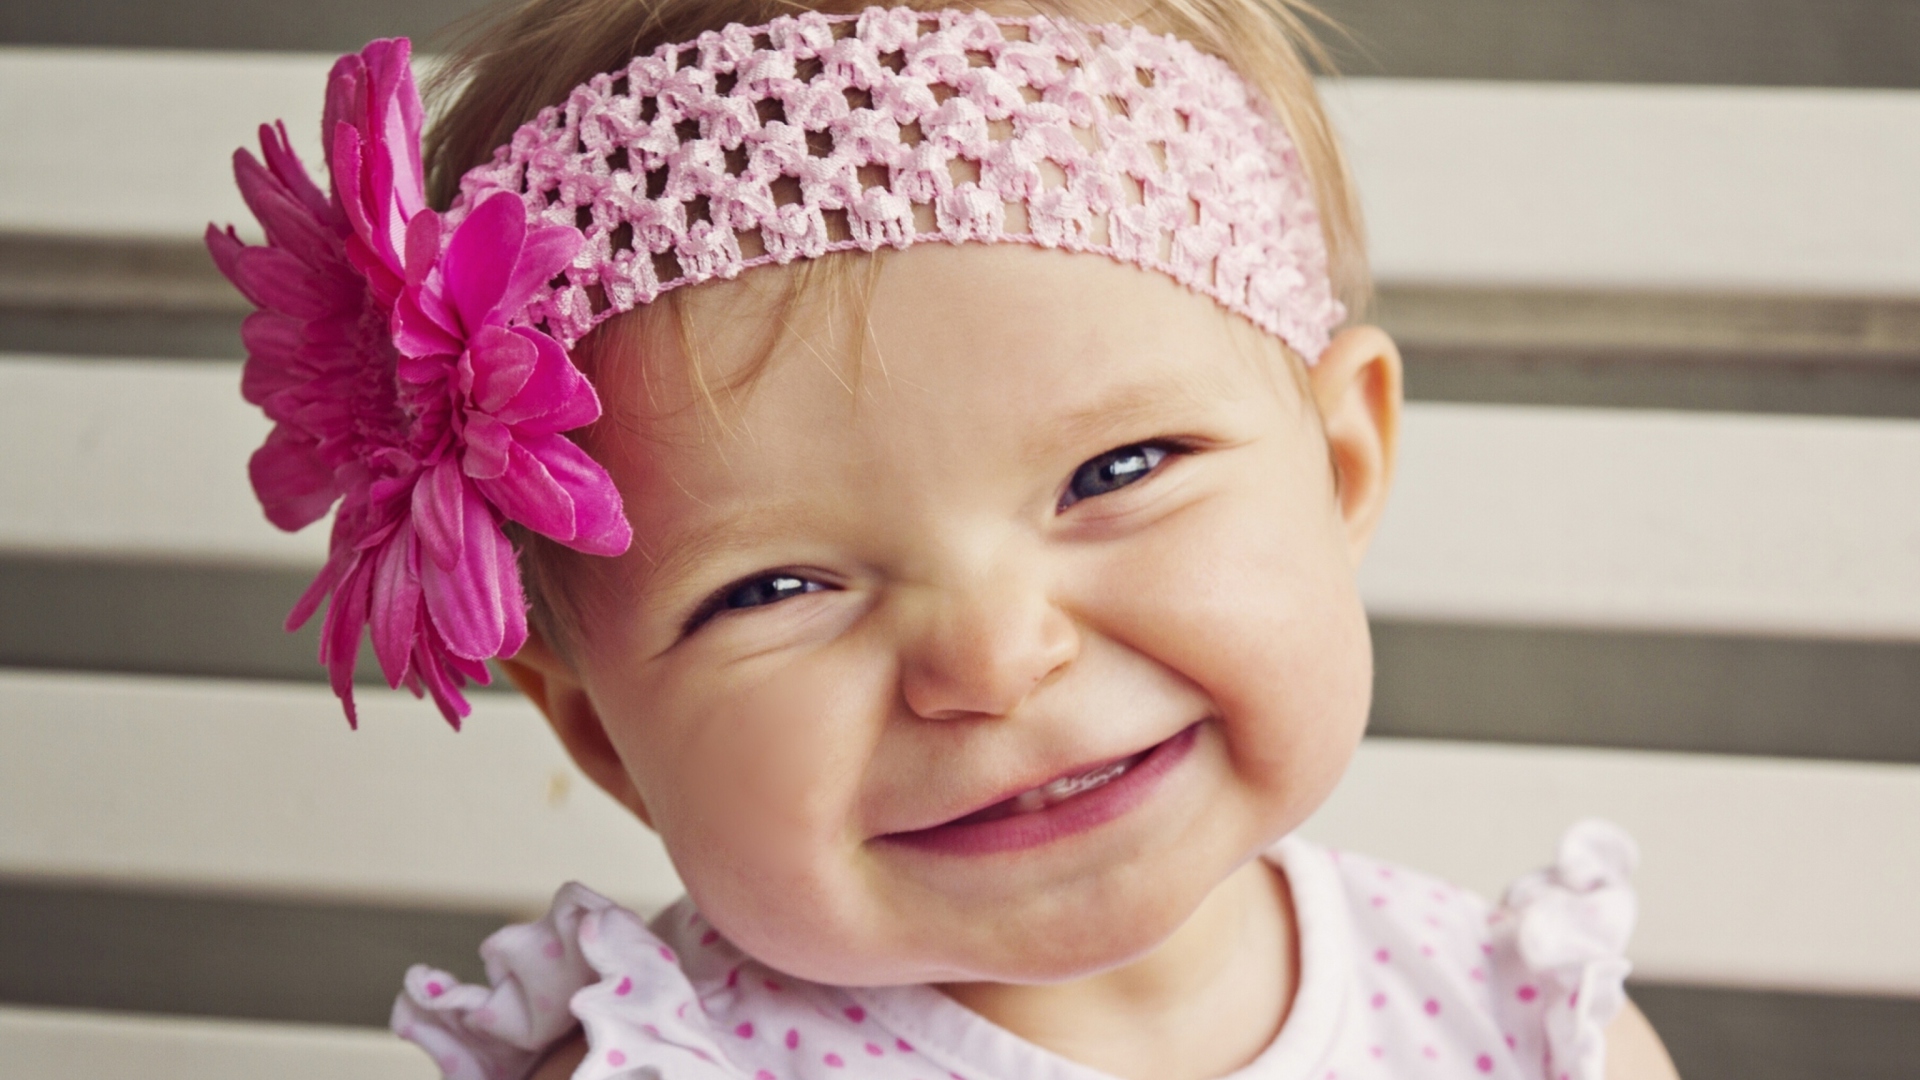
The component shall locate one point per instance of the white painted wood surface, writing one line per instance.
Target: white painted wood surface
(1514, 183)
(1501, 514)
(1761, 872)
(1636, 186)
(53, 1044)
(1649, 519)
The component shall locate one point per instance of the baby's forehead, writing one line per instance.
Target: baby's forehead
(981, 334)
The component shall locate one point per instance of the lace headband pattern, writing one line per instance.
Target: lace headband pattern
(415, 365)
(817, 133)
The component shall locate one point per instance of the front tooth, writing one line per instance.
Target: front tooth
(1028, 801)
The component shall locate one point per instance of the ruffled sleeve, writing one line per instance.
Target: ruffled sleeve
(497, 1032)
(1561, 934)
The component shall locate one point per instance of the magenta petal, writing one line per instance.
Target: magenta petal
(503, 361)
(273, 344)
(600, 524)
(423, 246)
(349, 185)
(476, 604)
(557, 397)
(395, 606)
(419, 331)
(341, 634)
(286, 165)
(546, 252)
(439, 514)
(295, 484)
(488, 442)
(527, 492)
(481, 256)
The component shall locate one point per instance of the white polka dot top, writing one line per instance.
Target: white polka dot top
(1401, 976)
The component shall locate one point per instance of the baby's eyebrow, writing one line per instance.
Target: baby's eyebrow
(1129, 407)
(735, 530)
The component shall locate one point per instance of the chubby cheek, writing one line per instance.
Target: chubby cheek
(1251, 598)
(752, 786)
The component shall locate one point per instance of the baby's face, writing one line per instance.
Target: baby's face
(989, 654)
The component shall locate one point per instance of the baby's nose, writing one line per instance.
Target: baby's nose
(980, 648)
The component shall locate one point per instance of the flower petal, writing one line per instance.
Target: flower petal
(556, 397)
(488, 443)
(502, 361)
(527, 492)
(395, 606)
(600, 524)
(476, 604)
(481, 256)
(294, 483)
(439, 514)
(340, 635)
(546, 252)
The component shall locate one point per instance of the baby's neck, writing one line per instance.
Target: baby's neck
(1204, 1003)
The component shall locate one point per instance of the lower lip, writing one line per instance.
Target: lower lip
(1061, 820)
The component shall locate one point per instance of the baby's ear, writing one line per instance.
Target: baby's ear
(1356, 385)
(551, 683)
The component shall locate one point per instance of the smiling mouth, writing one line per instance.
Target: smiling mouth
(1054, 792)
(1074, 803)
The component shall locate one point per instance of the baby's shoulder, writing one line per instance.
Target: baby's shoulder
(1437, 973)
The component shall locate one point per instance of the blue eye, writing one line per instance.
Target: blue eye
(1112, 471)
(770, 589)
(751, 593)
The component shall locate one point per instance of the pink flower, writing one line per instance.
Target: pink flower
(393, 356)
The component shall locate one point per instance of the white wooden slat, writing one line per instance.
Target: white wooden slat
(1638, 187)
(50, 1044)
(1654, 520)
(261, 787)
(1762, 872)
(1512, 183)
(1614, 517)
(136, 459)
(140, 142)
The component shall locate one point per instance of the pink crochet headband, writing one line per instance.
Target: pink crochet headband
(415, 364)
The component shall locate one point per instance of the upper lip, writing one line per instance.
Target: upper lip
(1039, 780)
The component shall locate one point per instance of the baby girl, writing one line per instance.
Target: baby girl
(974, 621)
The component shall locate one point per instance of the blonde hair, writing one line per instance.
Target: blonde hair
(532, 56)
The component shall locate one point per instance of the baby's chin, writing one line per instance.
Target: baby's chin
(911, 938)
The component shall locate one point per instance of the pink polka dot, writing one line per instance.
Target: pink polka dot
(1512, 1043)
(1484, 1063)
(773, 986)
(855, 1013)
(1386, 872)
(1527, 992)
(1433, 922)
(793, 1038)
(763, 1074)
(1377, 1051)
(1432, 1007)
(733, 978)
(1439, 896)
(874, 1049)
(553, 949)
(745, 1031)
(1429, 1053)
(667, 955)
(710, 937)
(1426, 950)
(1382, 956)
(1379, 1001)
(1379, 901)
(625, 987)
(434, 989)
(835, 1060)
(1477, 974)
(616, 1058)
(903, 1046)
(1573, 1000)
(1486, 949)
